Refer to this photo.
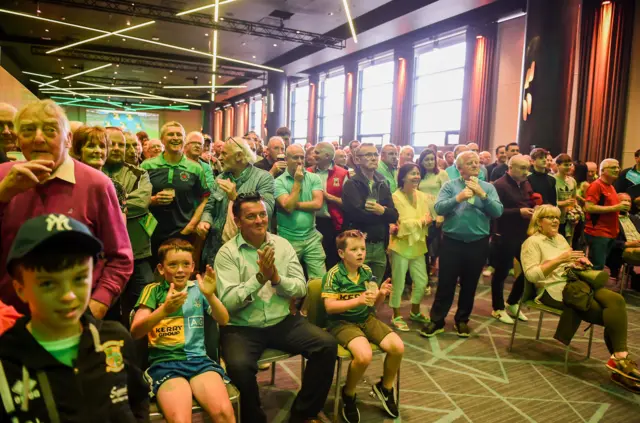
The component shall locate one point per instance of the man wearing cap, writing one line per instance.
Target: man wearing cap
(51, 182)
(51, 262)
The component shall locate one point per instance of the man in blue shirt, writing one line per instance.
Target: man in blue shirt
(468, 205)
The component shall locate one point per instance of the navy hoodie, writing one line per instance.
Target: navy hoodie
(104, 385)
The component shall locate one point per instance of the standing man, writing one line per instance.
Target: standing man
(449, 158)
(485, 158)
(511, 150)
(628, 178)
(284, 133)
(340, 159)
(300, 195)
(406, 156)
(193, 148)
(388, 166)
(368, 207)
(540, 180)
(514, 192)
(592, 171)
(258, 275)
(274, 158)
(140, 223)
(603, 207)
(64, 186)
(468, 205)
(180, 189)
(453, 171)
(501, 157)
(329, 218)
(154, 149)
(8, 136)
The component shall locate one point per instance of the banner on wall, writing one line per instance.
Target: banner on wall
(127, 121)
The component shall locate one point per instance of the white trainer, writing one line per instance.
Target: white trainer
(512, 309)
(502, 316)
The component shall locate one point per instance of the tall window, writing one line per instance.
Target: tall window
(299, 112)
(255, 112)
(331, 106)
(437, 97)
(375, 97)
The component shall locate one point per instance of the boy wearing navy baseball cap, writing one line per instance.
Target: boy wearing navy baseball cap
(60, 364)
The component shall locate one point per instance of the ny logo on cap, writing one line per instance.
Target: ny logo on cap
(60, 222)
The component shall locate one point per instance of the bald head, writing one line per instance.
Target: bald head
(473, 147)
(592, 171)
(295, 158)
(340, 158)
(406, 155)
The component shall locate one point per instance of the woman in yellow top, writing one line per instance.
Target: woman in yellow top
(408, 244)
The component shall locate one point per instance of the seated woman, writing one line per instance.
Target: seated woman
(545, 257)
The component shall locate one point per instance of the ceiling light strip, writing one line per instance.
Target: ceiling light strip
(87, 71)
(37, 74)
(44, 84)
(350, 20)
(89, 88)
(207, 6)
(133, 96)
(200, 87)
(40, 83)
(129, 28)
(145, 95)
(26, 15)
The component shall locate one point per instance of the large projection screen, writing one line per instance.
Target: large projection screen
(127, 121)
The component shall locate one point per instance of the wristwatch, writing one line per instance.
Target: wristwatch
(260, 278)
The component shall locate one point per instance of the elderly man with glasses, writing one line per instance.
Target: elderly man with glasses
(368, 207)
(603, 208)
(238, 176)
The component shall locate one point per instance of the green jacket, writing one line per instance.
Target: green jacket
(140, 223)
(390, 175)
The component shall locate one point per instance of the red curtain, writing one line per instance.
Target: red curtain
(477, 98)
(605, 54)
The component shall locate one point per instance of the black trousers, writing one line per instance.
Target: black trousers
(242, 346)
(505, 249)
(142, 275)
(324, 225)
(458, 260)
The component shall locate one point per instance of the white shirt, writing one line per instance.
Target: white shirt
(537, 249)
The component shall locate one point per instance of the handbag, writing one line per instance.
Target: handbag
(577, 294)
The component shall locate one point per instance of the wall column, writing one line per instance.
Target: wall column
(402, 106)
(312, 116)
(350, 102)
(276, 101)
(547, 79)
(208, 119)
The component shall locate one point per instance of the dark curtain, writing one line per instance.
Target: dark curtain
(478, 87)
(605, 52)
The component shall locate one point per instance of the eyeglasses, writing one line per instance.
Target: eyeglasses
(236, 142)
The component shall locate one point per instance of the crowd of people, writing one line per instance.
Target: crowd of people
(168, 237)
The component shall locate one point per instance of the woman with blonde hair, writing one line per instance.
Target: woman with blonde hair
(545, 257)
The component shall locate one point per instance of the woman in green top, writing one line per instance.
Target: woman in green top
(433, 178)
(567, 193)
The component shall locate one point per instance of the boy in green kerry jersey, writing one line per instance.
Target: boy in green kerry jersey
(350, 296)
(171, 314)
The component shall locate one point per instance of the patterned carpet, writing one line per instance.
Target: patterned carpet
(448, 379)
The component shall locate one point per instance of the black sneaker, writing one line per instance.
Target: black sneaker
(387, 398)
(431, 329)
(463, 329)
(350, 412)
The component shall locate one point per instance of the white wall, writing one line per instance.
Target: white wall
(507, 77)
(632, 128)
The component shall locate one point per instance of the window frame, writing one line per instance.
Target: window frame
(321, 104)
(381, 59)
(295, 139)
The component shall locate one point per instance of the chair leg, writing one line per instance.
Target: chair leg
(590, 342)
(239, 415)
(566, 359)
(336, 401)
(302, 367)
(273, 373)
(515, 326)
(539, 325)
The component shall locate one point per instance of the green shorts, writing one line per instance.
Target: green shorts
(372, 329)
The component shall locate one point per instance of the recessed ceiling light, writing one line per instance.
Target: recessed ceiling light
(196, 77)
(275, 45)
(155, 38)
(244, 44)
(46, 30)
(61, 67)
(297, 32)
(222, 19)
(59, 60)
(124, 39)
(170, 71)
(150, 92)
(253, 57)
(187, 95)
(128, 23)
(330, 13)
(206, 34)
(209, 82)
(117, 66)
(115, 73)
(164, 77)
(159, 82)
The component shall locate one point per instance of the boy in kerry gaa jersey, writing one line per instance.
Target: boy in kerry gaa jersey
(171, 314)
(349, 296)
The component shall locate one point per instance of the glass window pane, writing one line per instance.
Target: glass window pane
(453, 139)
(379, 97)
(439, 87)
(443, 116)
(302, 93)
(301, 141)
(332, 126)
(333, 105)
(301, 110)
(378, 74)
(423, 139)
(299, 128)
(334, 85)
(375, 122)
(438, 60)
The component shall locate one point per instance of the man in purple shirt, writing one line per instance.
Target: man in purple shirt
(52, 182)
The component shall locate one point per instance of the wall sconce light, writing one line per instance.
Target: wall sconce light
(479, 37)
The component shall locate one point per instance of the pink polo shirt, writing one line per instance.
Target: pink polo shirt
(87, 195)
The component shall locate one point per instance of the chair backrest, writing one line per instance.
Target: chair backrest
(316, 312)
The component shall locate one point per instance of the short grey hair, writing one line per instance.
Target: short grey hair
(518, 157)
(194, 133)
(327, 147)
(607, 162)
(276, 138)
(240, 144)
(461, 157)
(50, 109)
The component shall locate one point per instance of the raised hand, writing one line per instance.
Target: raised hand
(174, 300)
(266, 262)
(24, 176)
(208, 283)
(228, 187)
(299, 176)
(385, 288)
(464, 195)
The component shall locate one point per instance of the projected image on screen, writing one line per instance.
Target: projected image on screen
(127, 121)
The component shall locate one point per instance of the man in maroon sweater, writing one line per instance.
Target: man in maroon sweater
(52, 182)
